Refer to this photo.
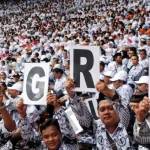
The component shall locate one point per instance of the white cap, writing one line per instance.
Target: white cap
(108, 73)
(143, 79)
(17, 86)
(121, 75)
(43, 57)
(101, 77)
(58, 66)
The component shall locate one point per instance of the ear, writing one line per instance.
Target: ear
(98, 111)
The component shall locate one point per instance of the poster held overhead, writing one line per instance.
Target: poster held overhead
(84, 67)
(35, 85)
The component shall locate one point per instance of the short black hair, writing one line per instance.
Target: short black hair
(133, 49)
(105, 98)
(57, 70)
(116, 55)
(50, 122)
(139, 97)
(102, 63)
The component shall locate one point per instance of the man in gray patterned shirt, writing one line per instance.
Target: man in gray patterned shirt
(142, 123)
(111, 131)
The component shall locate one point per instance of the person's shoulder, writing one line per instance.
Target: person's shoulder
(140, 67)
(126, 86)
(111, 64)
(100, 127)
(64, 78)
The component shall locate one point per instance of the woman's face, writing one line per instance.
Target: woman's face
(134, 60)
(52, 137)
(2, 76)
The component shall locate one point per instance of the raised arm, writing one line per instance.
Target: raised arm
(8, 121)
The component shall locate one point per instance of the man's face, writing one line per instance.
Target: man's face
(130, 53)
(16, 79)
(142, 55)
(107, 79)
(1, 98)
(148, 42)
(2, 76)
(117, 84)
(65, 55)
(57, 75)
(52, 137)
(119, 59)
(2, 89)
(134, 60)
(121, 36)
(13, 92)
(107, 113)
(143, 87)
(134, 105)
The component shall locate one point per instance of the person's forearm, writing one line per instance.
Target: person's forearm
(109, 93)
(8, 122)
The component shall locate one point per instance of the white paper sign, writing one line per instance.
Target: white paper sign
(35, 85)
(73, 121)
(84, 67)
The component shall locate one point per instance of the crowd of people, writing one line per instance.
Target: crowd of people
(44, 31)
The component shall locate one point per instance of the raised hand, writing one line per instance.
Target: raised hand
(21, 108)
(141, 109)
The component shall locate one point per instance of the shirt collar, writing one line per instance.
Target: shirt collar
(119, 127)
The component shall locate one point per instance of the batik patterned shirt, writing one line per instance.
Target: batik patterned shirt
(119, 136)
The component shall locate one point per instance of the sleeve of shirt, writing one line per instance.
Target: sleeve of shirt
(32, 114)
(64, 124)
(135, 74)
(125, 95)
(4, 138)
(124, 114)
(139, 74)
(27, 132)
(112, 67)
(85, 119)
(141, 132)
